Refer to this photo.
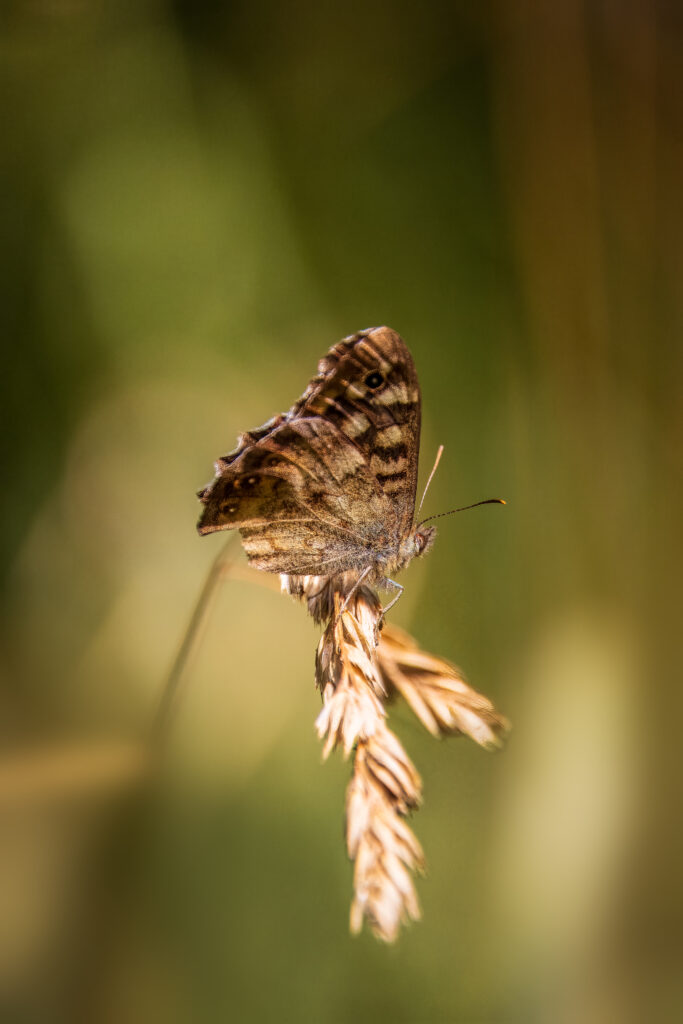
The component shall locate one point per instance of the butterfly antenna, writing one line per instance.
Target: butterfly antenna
(463, 508)
(436, 463)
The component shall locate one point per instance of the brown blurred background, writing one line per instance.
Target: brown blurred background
(198, 200)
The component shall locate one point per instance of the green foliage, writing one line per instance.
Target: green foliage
(198, 200)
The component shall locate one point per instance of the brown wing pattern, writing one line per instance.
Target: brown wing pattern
(383, 422)
(330, 485)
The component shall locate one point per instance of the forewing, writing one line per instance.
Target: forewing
(382, 421)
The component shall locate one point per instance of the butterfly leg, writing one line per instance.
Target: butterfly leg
(351, 592)
(400, 592)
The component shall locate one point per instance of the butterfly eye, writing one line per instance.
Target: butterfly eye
(374, 380)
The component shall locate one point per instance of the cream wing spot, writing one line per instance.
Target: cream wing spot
(357, 425)
(392, 395)
(389, 435)
(258, 545)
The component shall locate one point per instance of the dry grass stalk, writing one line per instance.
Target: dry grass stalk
(383, 788)
(348, 676)
(321, 592)
(436, 692)
(385, 785)
(357, 671)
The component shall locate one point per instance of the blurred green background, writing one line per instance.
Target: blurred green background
(198, 200)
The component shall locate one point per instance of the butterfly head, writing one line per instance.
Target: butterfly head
(423, 538)
(418, 541)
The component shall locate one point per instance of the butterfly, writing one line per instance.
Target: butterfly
(328, 488)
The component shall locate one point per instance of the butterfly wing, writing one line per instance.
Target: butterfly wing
(330, 485)
(296, 497)
(367, 387)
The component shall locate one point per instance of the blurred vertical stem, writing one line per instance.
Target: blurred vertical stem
(170, 692)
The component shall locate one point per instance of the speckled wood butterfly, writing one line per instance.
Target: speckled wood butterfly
(328, 488)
